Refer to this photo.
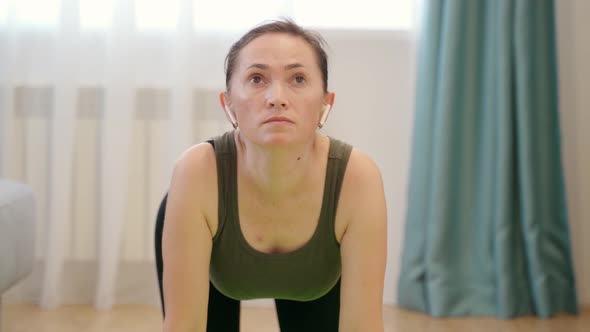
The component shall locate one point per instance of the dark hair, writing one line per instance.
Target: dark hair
(284, 25)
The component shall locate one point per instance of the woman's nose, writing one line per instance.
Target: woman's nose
(275, 97)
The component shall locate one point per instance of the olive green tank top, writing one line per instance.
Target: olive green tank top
(241, 272)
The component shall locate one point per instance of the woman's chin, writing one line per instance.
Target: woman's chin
(277, 138)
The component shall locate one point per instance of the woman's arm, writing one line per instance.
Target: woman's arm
(187, 241)
(363, 247)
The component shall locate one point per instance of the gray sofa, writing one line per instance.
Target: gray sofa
(17, 234)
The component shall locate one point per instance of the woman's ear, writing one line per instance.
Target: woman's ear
(329, 98)
(225, 104)
(328, 104)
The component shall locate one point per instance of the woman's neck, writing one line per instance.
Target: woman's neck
(277, 174)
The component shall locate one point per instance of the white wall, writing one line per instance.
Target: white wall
(574, 74)
(373, 76)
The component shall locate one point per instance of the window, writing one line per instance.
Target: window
(38, 13)
(364, 14)
(156, 14)
(222, 15)
(231, 15)
(3, 12)
(96, 14)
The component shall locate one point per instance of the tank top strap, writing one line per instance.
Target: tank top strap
(338, 155)
(226, 179)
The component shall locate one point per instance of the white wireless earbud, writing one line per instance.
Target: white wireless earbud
(234, 123)
(325, 115)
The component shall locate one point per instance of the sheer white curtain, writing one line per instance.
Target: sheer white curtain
(98, 101)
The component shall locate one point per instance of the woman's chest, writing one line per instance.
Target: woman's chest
(273, 227)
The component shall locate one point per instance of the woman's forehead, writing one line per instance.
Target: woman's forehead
(277, 49)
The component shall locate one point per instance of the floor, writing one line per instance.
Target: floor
(129, 318)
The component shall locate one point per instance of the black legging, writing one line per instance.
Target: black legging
(223, 313)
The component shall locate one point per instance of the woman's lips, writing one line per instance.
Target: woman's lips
(278, 119)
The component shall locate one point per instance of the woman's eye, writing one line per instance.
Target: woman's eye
(300, 79)
(256, 79)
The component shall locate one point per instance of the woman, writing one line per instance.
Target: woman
(274, 208)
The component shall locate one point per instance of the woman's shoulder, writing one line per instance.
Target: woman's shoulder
(197, 157)
(361, 169)
(203, 153)
(362, 186)
(362, 178)
(197, 164)
(195, 178)
(360, 165)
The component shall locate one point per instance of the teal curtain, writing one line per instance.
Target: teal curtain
(486, 227)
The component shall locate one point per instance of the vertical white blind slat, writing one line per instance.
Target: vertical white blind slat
(180, 108)
(61, 148)
(115, 141)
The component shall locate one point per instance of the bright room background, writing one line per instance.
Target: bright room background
(98, 99)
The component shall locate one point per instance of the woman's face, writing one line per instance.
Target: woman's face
(277, 75)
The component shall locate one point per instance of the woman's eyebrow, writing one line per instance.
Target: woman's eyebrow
(264, 67)
(293, 66)
(258, 65)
